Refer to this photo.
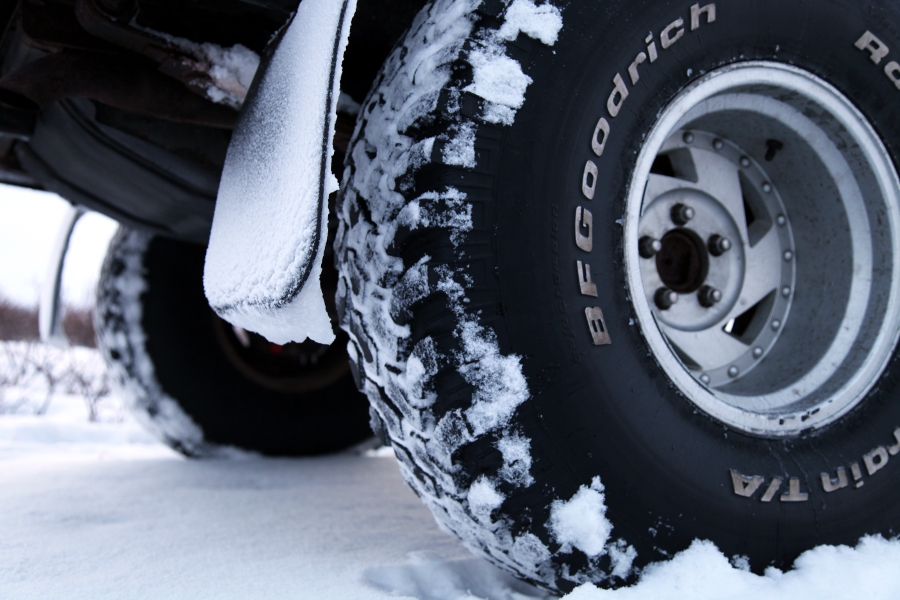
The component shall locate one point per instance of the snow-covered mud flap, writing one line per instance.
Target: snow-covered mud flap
(270, 225)
(204, 386)
(619, 275)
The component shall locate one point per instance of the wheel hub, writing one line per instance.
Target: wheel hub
(722, 261)
(762, 248)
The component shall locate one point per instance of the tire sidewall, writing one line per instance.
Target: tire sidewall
(610, 410)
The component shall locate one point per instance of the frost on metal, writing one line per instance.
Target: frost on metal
(270, 223)
(376, 289)
(122, 338)
(230, 70)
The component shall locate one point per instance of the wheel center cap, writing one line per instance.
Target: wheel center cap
(684, 265)
(683, 262)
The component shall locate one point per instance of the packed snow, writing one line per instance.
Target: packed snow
(269, 229)
(99, 510)
(581, 521)
(94, 507)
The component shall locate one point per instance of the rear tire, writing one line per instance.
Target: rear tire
(188, 377)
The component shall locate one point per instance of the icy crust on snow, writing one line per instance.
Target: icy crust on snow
(121, 336)
(269, 228)
(376, 289)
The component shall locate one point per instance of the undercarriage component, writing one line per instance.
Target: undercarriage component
(123, 84)
(108, 161)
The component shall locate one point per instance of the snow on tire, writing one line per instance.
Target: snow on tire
(446, 387)
(508, 322)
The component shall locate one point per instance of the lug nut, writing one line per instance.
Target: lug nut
(688, 137)
(649, 246)
(709, 296)
(665, 298)
(718, 245)
(681, 214)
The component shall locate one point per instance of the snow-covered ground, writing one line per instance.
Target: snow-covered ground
(100, 510)
(93, 507)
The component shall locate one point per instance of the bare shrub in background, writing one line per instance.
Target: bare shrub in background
(32, 374)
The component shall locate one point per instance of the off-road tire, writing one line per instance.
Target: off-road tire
(469, 333)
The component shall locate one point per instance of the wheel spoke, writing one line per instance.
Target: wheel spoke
(762, 274)
(657, 185)
(718, 177)
(709, 348)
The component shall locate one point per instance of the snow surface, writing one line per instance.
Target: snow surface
(100, 510)
(271, 216)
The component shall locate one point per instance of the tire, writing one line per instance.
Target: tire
(186, 375)
(548, 417)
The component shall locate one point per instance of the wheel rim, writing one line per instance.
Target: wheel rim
(762, 251)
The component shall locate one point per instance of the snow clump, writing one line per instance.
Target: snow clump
(581, 521)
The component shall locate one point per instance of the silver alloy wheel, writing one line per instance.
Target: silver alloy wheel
(762, 248)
